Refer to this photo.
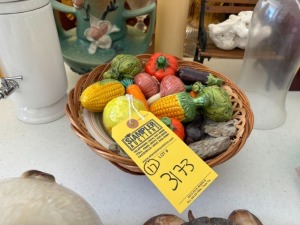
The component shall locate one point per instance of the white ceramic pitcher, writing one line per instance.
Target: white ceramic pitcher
(29, 49)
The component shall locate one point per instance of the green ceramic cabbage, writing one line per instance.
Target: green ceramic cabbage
(214, 102)
(123, 66)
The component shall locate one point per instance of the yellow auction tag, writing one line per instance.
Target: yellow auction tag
(179, 173)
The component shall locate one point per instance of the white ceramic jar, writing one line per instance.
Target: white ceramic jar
(29, 47)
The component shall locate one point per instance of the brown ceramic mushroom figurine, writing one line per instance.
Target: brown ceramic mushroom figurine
(237, 217)
(164, 219)
(206, 220)
(244, 217)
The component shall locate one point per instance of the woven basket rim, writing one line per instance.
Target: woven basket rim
(242, 112)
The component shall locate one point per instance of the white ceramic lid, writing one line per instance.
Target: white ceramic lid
(19, 6)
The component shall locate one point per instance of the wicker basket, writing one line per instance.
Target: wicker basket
(242, 112)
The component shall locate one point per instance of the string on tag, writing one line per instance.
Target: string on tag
(129, 97)
(137, 112)
(131, 105)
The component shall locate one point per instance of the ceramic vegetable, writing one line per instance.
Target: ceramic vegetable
(148, 84)
(194, 130)
(123, 66)
(215, 102)
(169, 85)
(175, 125)
(119, 109)
(190, 76)
(180, 106)
(135, 90)
(97, 95)
(161, 65)
(193, 94)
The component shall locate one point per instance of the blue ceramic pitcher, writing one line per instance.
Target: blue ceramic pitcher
(101, 32)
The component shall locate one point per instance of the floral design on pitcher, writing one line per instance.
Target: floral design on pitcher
(98, 34)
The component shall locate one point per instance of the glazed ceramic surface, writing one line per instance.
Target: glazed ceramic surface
(101, 32)
(94, 124)
(29, 47)
(35, 198)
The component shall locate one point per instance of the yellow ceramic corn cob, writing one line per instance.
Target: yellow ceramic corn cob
(97, 95)
(179, 106)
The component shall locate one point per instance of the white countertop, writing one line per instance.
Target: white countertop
(260, 178)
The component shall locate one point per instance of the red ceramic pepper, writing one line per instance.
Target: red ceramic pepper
(161, 65)
(175, 125)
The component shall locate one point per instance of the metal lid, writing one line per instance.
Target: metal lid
(19, 6)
